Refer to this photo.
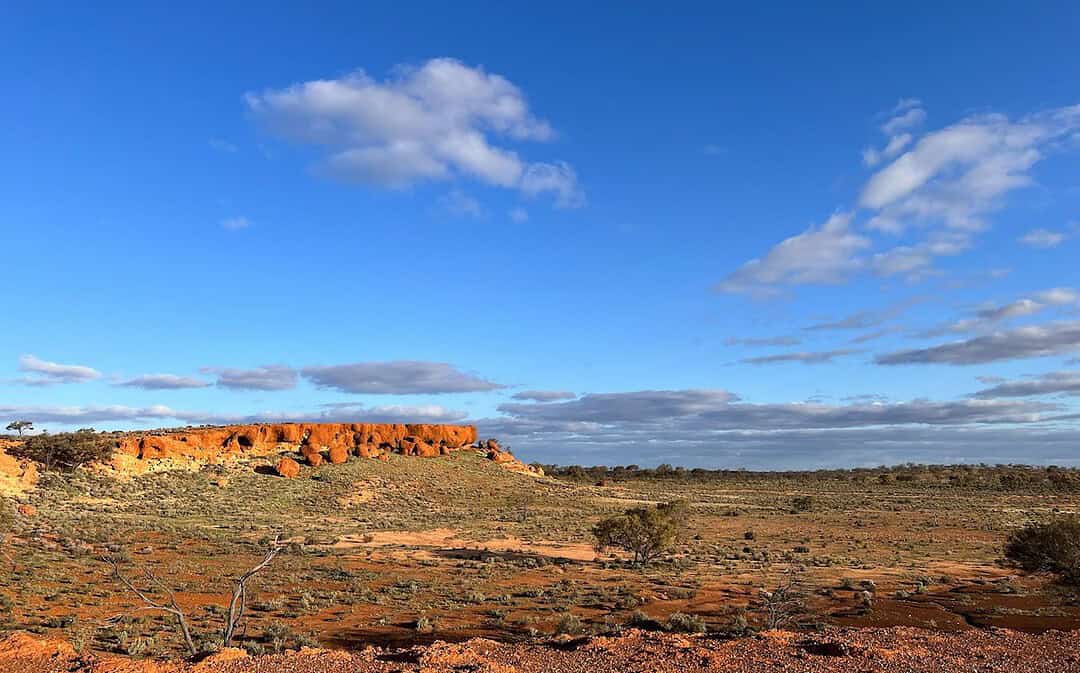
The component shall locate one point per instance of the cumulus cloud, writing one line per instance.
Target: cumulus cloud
(164, 382)
(822, 255)
(1023, 342)
(267, 377)
(1042, 238)
(437, 121)
(396, 378)
(48, 373)
(1052, 383)
(544, 395)
(805, 357)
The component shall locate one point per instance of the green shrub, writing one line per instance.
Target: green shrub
(646, 532)
(1052, 546)
(569, 625)
(66, 450)
(681, 622)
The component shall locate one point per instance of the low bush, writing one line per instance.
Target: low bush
(1052, 546)
(680, 622)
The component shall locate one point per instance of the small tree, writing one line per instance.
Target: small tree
(237, 603)
(1052, 546)
(646, 532)
(20, 426)
(66, 450)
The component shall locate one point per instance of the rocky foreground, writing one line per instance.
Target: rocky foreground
(839, 650)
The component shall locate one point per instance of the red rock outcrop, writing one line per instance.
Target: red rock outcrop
(217, 444)
(288, 468)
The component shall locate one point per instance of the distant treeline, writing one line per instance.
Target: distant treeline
(998, 477)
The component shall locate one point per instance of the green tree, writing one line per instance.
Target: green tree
(1052, 546)
(19, 426)
(66, 450)
(645, 532)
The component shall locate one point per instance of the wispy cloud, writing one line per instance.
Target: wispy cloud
(544, 395)
(236, 223)
(49, 373)
(804, 357)
(1024, 342)
(163, 382)
(1042, 238)
(267, 377)
(820, 255)
(1052, 383)
(397, 377)
(946, 182)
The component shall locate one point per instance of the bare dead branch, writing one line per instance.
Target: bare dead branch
(173, 608)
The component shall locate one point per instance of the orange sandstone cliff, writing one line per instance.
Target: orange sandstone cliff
(218, 444)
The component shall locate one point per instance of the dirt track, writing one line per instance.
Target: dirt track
(839, 651)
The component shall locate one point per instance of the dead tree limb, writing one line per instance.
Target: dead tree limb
(239, 597)
(237, 604)
(172, 608)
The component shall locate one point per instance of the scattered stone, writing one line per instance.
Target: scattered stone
(27, 510)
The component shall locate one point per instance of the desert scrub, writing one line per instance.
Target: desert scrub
(681, 622)
(1052, 546)
(66, 450)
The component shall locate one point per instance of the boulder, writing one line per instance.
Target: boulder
(313, 458)
(288, 468)
(338, 455)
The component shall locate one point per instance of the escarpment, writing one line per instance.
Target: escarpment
(368, 440)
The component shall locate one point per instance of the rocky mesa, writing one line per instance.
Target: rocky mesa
(368, 440)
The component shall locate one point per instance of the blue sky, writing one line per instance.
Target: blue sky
(776, 238)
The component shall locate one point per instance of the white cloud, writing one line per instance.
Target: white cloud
(950, 178)
(48, 373)
(825, 254)
(957, 174)
(236, 223)
(557, 179)
(902, 121)
(872, 157)
(1042, 238)
(433, 122)
(460, 204)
